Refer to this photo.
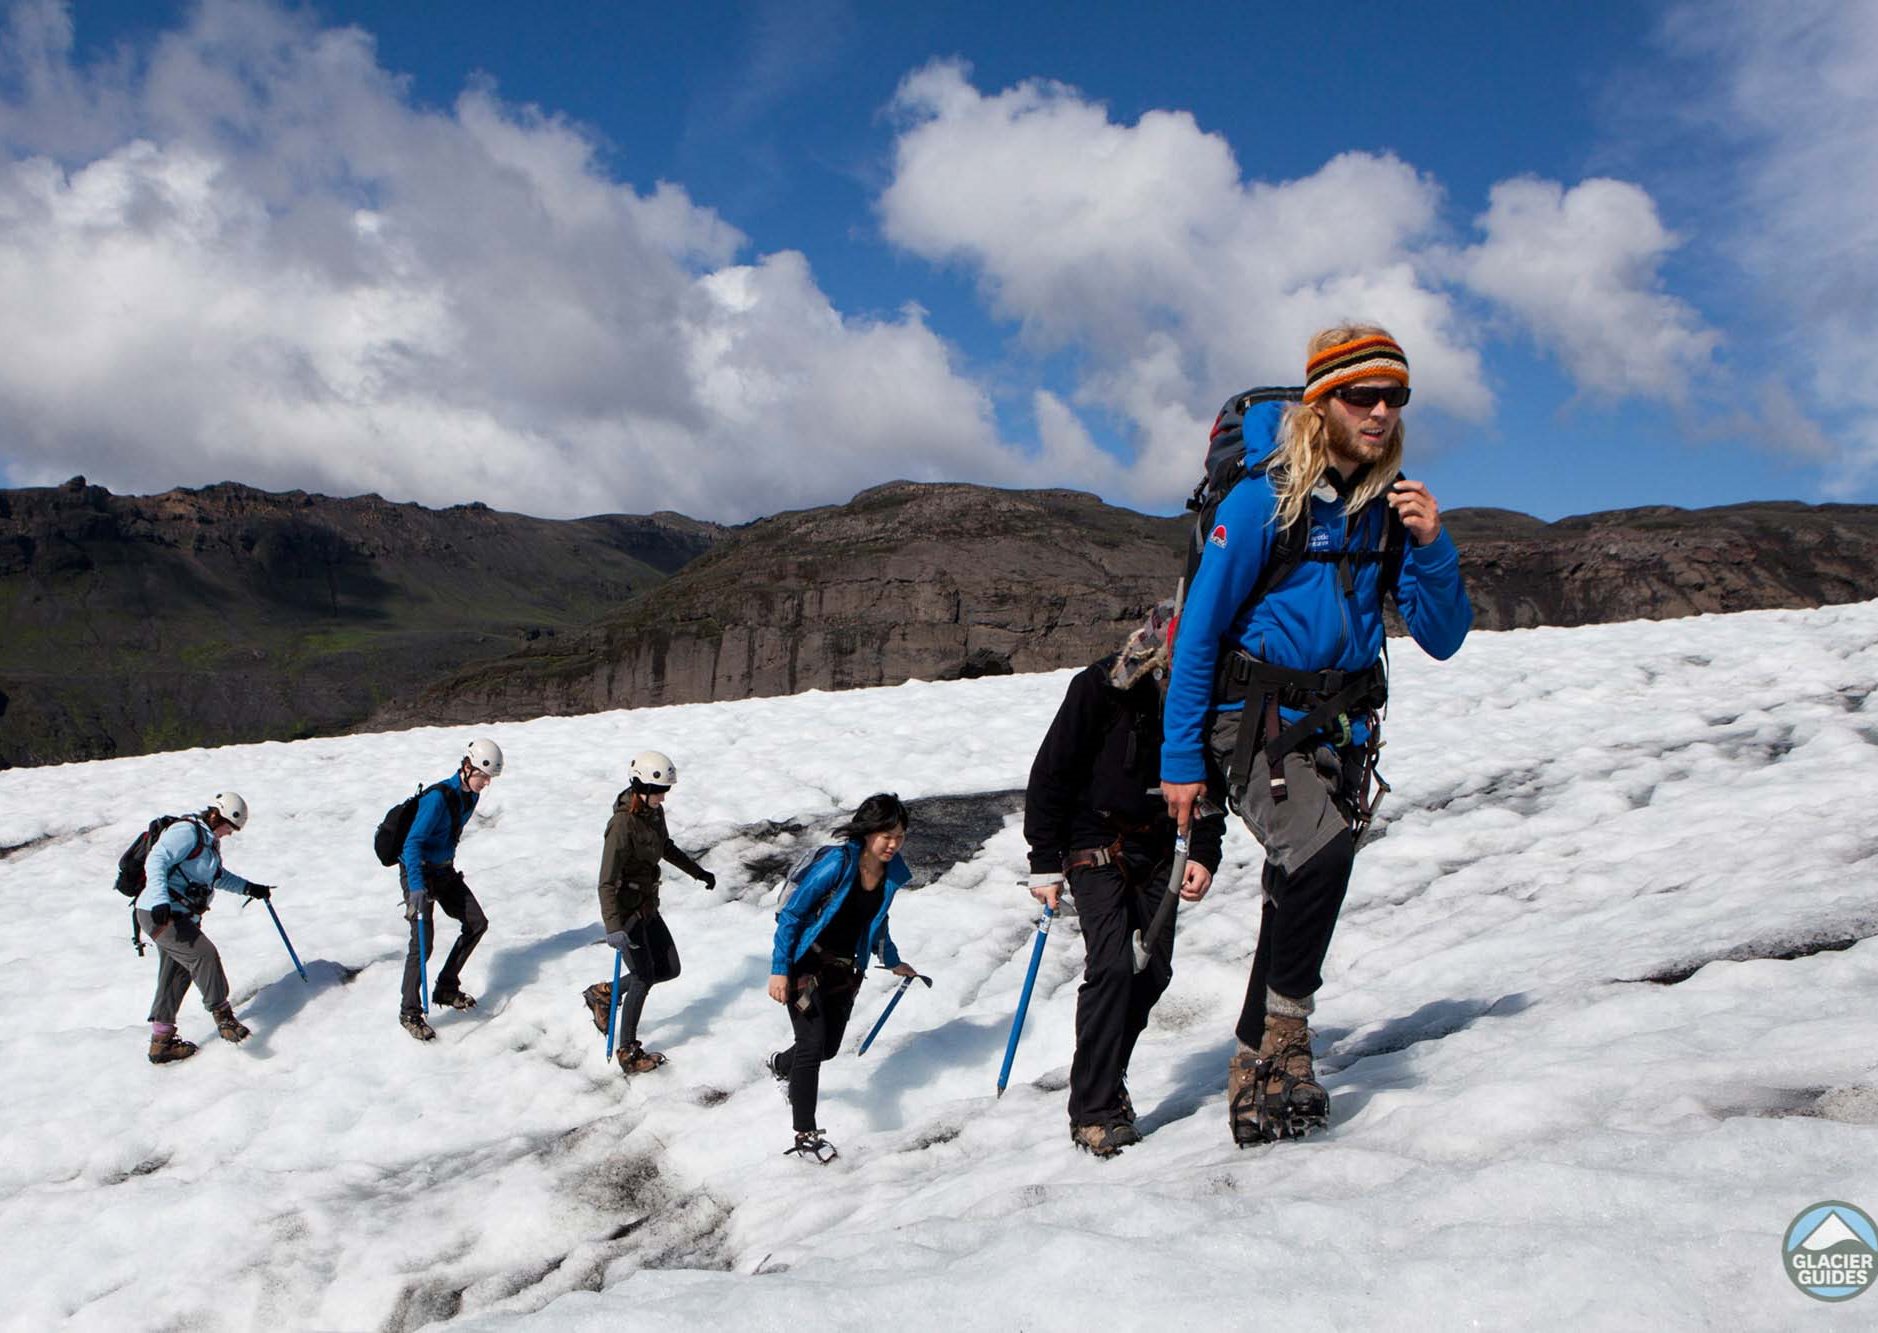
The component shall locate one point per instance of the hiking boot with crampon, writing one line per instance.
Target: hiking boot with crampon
(453, 999)
(414, 1024)
(599, 1001)
(1273, 1092)
(1103, 1140)
(636, 1059)
(168, 1049)
(812, 1147)
(227, 1026)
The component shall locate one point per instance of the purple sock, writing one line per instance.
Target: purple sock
(162, 1029)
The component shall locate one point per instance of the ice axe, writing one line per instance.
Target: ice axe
(1143, 939)
(1023, 1000)
(887, 1013)
(1164, 914)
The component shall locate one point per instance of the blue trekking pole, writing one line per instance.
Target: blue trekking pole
(887, 1013)
(284, 940)
(423, 965)
(612, 1006)
(1023, 1001)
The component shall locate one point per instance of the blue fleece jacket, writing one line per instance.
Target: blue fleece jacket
(830, 878)
(435, 831)
(1306, 622)
(186, 882)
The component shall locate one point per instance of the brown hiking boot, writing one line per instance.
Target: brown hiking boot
(1273, 1092)
(1103, 1140)
(168, 1050)
(453, 999)
(599, 999)
(227, 1026)
(636, 1059)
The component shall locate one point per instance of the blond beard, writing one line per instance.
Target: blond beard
(1350, 446)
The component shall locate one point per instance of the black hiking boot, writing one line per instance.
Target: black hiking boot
(812, 1147)
(414, 1024)
(167, 1050)
(227, 1026)
(599, 1001)
(453, 999)
(1272, 1092)
(636, 1059)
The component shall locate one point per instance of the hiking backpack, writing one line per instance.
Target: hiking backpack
(388, 838)
(130, 871)
(1226, 467)
(799, 871)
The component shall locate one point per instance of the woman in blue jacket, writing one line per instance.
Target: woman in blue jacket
(834, 921)
(182, 872)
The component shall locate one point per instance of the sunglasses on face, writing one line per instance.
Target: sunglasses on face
(1368, 395)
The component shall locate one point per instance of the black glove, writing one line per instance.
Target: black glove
(414, 904)
(708, 880)
(616, 939)
(261, 891)
(159, 918)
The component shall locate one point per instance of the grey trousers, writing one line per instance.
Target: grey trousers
(184, 954)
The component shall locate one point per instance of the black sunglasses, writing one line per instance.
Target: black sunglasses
(1368, 395)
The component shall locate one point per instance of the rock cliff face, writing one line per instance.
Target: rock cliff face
(906, 580)
(199, 617)
(223, 614)
(941, 581)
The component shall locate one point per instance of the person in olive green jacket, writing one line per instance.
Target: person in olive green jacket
(636, 842)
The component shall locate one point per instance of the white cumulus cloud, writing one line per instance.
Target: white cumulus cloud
(246, 253)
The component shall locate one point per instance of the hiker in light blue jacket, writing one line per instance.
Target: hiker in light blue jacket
(182, 872)
(834, 920)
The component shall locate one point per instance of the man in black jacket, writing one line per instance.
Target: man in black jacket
(1094, 817)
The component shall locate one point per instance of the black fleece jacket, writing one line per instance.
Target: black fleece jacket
(1097, 775)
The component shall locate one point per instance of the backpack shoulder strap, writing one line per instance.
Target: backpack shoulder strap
(1288, 545)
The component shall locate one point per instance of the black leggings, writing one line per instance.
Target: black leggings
(651, 957)
(448, 891)
(819, 1006)
(1294, 930)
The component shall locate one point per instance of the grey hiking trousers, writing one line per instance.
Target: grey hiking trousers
(184, 954)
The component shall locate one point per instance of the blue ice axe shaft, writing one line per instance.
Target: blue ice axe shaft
(284, 940)
(612, 1008)
(423, 965)
(1023, 1001)
(887, 1013)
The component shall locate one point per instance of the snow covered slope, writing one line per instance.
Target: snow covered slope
(1597, 1026)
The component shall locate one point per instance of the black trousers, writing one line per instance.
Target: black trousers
(651, 957)
(1114, 1000)
(820, 1004)
(448, 891)
(1295, 927)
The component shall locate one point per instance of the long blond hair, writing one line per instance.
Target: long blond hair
(1303, 452)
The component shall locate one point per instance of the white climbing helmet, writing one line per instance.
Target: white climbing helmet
(230, 806)
(484, 755)
(651, 768)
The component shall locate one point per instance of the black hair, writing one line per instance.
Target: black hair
(878, 813)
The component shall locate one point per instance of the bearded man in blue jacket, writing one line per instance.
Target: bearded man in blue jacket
(1278, 681)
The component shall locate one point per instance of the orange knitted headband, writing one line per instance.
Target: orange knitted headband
(1377, 357)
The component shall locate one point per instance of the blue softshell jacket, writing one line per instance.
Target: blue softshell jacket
(830, 878)
(434, 834)
(1306, 623)
(171, 875)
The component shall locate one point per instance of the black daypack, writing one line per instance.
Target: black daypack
(130, 871)
(1226, 467)
(388, 838)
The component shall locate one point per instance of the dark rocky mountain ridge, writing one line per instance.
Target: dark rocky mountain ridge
(135, 623)
(943, 580)
(223, 614)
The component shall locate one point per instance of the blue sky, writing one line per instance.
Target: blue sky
(727, 259)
